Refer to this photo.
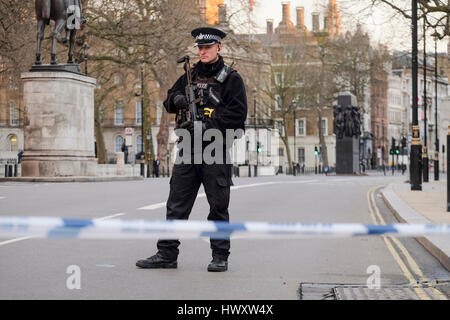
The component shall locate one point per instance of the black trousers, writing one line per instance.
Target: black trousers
(184, 185)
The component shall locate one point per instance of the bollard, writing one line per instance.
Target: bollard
(148, 170)
(15, 170)
(6, 171)
(10, 171)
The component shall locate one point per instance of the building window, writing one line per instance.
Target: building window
(301, 155)
(12, 83)
(281, 152)
(13, 143)
(139, 144)
(138, 112)
(278, 102)
(278, 78)
(301, 127)
(118, 142)
(280, 127)
(324, 126)
(13, 114)
(118, 113)
(100, 113)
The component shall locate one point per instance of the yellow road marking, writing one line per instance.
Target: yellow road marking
(419, 291)
(412, 263)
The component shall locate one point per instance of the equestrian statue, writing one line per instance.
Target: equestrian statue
(67, 16)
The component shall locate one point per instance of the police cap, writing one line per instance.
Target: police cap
(206, 36)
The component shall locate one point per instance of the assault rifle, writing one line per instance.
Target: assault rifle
(185, 117)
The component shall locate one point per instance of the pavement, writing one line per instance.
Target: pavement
(426, 206)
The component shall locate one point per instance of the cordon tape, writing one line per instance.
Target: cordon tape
(52, 227)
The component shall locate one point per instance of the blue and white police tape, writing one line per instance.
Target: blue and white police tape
(49, 227)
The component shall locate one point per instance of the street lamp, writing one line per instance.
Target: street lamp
(416, 148)
(255, 92)
(294, 106)
(142, 122)
(425, 141)
(436, 37)
(85, 56)
(149, 136)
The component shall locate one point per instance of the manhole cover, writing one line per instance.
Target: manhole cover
(336, 291)
(316, 291)
(390, 293)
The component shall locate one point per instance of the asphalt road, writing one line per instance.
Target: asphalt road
(258, 269)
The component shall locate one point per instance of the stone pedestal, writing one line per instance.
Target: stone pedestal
(59, 125)
(347, 155)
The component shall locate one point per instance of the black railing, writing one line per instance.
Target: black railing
(260, 123)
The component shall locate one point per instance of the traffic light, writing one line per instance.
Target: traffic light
(391, 151)
(258, 147)
(397, 150)
(403, 142)
(316, 152)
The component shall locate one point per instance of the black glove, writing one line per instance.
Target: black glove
(180, 101)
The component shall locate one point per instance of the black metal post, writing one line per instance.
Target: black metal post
(448, 171)
(256, 136)
(416, 148)
(425, 139)
(436, 153)
(142, 123)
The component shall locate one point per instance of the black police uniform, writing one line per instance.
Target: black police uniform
(230, 113)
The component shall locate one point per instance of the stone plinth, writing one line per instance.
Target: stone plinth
(59, 125)
(347, 155)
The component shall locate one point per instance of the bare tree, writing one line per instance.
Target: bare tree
(282, 90)
(436, 12)
(130, 34)
(17, 32)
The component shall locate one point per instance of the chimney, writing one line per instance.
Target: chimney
(300, 17)
(222, 13)
(269, 26)
(315, 22)
(286, 11)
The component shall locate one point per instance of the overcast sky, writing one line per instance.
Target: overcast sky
(380, 23)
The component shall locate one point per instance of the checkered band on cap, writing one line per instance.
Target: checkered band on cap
(202, 36)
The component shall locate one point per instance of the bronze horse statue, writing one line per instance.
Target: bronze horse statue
(62, 12)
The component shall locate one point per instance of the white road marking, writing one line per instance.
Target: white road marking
(110, 217)
(2, 198)
(14, 240)
(105, 265)
(202, 195)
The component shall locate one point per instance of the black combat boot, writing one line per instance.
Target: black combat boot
(157, 262)
(218, 265)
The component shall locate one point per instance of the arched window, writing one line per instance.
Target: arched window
(118, 144)
(13, 143)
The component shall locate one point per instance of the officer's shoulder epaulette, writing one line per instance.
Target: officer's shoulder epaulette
(224, 73)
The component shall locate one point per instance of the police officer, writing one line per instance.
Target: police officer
(228, 111)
